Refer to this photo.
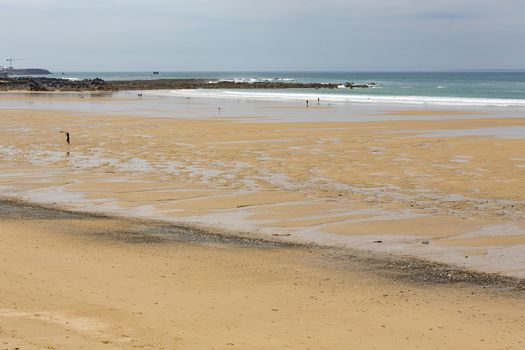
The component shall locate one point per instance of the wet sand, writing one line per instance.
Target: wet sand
(407, 181)
(337, 227)
(82, 281)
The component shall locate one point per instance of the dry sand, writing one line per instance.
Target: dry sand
(79, 282)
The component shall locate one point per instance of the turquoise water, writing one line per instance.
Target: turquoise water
(457, 85)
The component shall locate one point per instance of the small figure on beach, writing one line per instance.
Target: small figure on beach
(139, 95)
(318, 101)
(306, 103)
(68, 140)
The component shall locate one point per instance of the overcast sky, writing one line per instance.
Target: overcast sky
(200, 35)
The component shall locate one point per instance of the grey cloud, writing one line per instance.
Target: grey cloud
(271, 34)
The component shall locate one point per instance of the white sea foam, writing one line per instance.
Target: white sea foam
(348, 98)
(257, 80)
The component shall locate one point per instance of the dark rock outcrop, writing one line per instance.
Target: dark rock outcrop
(52, 84)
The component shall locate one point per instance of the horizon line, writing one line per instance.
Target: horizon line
(490, 70)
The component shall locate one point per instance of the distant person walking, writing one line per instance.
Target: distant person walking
(68, 140)
(306, 103)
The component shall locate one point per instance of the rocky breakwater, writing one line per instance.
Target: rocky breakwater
(51, 84)
(220, 84)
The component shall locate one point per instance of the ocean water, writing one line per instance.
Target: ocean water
(438, 88)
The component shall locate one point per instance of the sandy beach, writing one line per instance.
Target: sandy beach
(73, 281)
(436, 183)
(204, 175)
(165, 225)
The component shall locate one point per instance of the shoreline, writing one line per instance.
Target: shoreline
(397, 267)
(289, 94)
(394, 100)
